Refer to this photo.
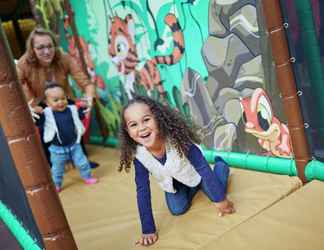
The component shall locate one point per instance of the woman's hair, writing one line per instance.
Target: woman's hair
(31, 57)
(171, 126)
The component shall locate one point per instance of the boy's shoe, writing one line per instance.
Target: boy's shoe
(58, 189)
(91, 181)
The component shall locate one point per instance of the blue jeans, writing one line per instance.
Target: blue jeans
(61, 154)
(179, 202)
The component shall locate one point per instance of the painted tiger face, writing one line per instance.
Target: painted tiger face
(121, 41)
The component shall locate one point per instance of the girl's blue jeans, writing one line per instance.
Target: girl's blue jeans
(61, 154)
(179, 202)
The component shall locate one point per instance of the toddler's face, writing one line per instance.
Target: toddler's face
(56, 99)
(142, 126)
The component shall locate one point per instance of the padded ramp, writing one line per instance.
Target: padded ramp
(104, 216)
(295, 223)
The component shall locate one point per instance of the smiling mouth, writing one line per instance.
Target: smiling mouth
(145, 135)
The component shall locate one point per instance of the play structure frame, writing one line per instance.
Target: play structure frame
(29, 159)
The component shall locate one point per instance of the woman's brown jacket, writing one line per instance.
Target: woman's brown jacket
(33, 77)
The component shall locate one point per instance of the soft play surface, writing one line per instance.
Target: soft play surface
(104, 216)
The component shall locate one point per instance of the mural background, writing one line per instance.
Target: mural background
(223, 81)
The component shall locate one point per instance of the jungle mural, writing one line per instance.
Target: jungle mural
(123, 52)
(207, 59)
(272, 135)
(48, 13)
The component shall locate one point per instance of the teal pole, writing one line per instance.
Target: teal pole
(16, 228)
(312, 55)
(267, 164)
(315, 170)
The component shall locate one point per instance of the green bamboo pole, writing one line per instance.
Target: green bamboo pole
(267, 164)
(314, 170)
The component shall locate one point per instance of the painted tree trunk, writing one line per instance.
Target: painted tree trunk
(286, 84)
(102, 125)
(68, 8)
(39, 20)
(29, 158)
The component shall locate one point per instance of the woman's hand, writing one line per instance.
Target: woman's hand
(225, 207)
(34, 111)
(147, 239)
(88, 103)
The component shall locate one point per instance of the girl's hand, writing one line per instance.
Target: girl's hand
(147, 239)
(225, 207)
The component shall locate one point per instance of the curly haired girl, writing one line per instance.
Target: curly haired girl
(158, 141)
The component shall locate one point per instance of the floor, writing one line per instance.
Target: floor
(104, 216)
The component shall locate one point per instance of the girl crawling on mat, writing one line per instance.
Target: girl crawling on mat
(159, 142)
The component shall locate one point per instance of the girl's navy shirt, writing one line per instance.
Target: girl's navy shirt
(144, 204)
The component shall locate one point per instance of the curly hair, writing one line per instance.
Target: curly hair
(170, 124)
(31, 57)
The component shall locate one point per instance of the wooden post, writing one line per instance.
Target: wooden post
(286, 84)
(29, 158)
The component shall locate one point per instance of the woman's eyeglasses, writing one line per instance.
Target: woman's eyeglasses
(43, 47)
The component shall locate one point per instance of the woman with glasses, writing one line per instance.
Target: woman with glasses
(45, 62)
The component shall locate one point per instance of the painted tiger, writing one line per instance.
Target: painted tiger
(122, 49)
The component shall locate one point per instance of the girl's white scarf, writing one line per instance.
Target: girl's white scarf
(174, 167)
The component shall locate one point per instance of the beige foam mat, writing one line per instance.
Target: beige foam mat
(104, 216)
(294, 223)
